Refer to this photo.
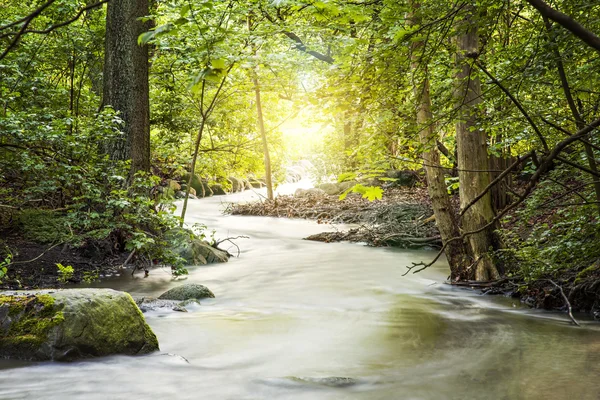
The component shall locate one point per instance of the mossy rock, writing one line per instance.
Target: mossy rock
(199, 185)
(72, 324)
(187, 291)
(237, 185)
(218, 190)
(194, 251)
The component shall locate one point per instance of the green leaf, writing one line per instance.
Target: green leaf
(346, 176)
(373, 193)
(145, 38)
(218, 63)
(185, 10)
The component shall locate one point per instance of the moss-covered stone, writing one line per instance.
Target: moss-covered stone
(194, 251)
(199, 185)
(186, 292)
(26, 322)
(71, 324)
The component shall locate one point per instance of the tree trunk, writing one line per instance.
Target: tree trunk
(436, 185)
(263, 135)
(126, 81)
(473, 161)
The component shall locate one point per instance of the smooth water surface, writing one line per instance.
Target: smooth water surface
(290, 313)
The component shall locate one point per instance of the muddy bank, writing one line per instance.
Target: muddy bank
(403, 218)
(34, 265)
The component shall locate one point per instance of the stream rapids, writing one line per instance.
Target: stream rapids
(294, 319)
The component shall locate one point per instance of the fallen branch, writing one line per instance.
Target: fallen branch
(36, 258)
(567, 302)
(231, 240)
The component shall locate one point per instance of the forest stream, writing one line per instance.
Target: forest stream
(295, 319)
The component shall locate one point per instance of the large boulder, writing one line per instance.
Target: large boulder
(187, 291)
(70, 324)
(194, 251)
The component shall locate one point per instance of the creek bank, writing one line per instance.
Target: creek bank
(34, 265)
(71, 324)
(402, 218)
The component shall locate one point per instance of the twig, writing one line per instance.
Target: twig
(568, 304)
(230, 240)
(34, 259)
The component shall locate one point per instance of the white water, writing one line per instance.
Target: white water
(289, 308)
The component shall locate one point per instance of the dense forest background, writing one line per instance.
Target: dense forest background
(496, 103)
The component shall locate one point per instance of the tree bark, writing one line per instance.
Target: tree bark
(126, 86)
(263, 135)
(471, 144)
(436, 185)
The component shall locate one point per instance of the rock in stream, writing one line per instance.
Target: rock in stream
(71, 324)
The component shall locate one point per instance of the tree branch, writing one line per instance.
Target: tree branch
(587, 36)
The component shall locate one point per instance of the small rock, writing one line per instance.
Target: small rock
(186, 292)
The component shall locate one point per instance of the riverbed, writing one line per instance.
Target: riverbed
(291, 317)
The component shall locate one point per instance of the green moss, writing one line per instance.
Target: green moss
(31, 319)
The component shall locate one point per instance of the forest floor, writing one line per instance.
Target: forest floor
(402, 218)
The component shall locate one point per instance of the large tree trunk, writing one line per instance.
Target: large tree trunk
(473, 161)
(126, 81)
(440, 200)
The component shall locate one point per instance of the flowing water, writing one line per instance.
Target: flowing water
(291, 318)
